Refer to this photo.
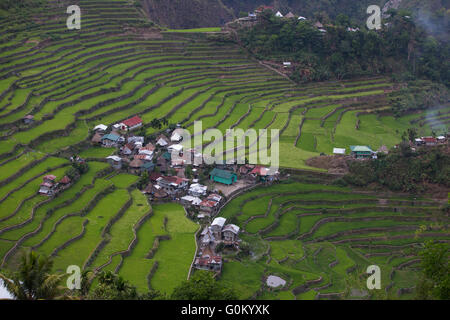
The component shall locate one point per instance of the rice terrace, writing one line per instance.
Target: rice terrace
(93, 171)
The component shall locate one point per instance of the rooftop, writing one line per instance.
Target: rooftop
(101, 127)
(111, 136)
(114, 158)
(219, 221)
(360, 149)
(232, 228)
(225, 174)
(132, 121)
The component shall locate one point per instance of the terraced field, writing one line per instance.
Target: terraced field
(321, 239)
(118, 66)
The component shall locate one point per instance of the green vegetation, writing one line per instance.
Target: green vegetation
(321, 238)
(435, 282)
(202, 286)
(403, 170)
(336, 53)
(33, 280)
(120, 66)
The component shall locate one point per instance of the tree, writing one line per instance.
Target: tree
(141, 132)
(343, 20)
(202, 286)
(34, 280)
(412, 134)
(188, 172)
(143, 181)
(113, 287)
(435, 280)
(156, 123)
(81, 167)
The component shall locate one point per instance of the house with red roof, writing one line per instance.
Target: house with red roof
(65, 180)
(49, 179)
(131, 124)
(429, 141)
(48, 185)
(128, 149)
(143, 157)
(263, 8)
(154, 176)
(172, 184)
(208, 262)
(264, 174)
(208, 207)
(64, 183)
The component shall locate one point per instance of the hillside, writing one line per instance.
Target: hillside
(57, 85)
(433, 14)
(320, 239)
(181, 14)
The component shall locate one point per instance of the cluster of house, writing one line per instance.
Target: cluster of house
(366, 152)
(430, 141)
(361, 152)
(197, 198)
(252, 16)
(165, 160)
(114, 138)
(50, 187)
(211, 236)
(261, 9)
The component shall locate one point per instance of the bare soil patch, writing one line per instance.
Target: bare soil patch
(334, 164)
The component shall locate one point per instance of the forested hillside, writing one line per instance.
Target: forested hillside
(433, 14)
(402, 48)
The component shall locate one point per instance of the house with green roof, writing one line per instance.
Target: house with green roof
(223, 176)
(110, 140)
(361, 152)
(167, 156)
(148, 167)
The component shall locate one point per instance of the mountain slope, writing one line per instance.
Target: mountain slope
(187, 13)
(207, 13)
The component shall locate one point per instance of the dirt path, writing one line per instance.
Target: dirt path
(275, 70)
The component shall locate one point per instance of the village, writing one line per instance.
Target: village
(201, 189)
(168, 176)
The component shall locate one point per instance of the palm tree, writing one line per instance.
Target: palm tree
(33, 280)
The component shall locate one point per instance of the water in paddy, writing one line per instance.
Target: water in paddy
(274, 281)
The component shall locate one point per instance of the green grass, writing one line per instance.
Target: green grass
(78, 252)
(74, 83)
(300, 260)
(174, 256)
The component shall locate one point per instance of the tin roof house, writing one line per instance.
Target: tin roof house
(208, 262)
(131, 124)
(115, 162)
(110, 140)
(223, 176)
(48, 185)
(361, 152)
